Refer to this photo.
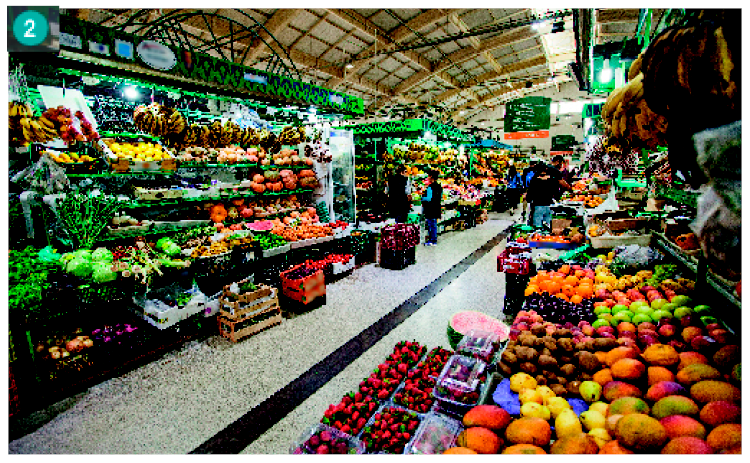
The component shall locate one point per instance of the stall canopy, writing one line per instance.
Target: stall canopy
(410, 128)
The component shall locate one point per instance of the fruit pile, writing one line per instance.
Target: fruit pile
(300, 272)
(68, 158)
(555, 310)
(269, 241)
(569, 283)
(432, 364)
(351, 414)
(390, 430)
(389, 374)
(140, 151)
(326, 441)
(416, 394)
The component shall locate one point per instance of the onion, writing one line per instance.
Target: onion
(88, 343)
(55, 354)
(107, 339)
(73, 346)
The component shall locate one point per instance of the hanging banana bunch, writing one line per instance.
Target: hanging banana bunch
(24, 128)
(159, 120)
(292, 135)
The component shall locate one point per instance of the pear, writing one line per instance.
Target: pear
(601, 436)
(592, 419)
(567, 424)
(600, 407)
(590, 391)
(557, 405)
(520, 381)
(530, 395)
(545, 392)
(535, 410)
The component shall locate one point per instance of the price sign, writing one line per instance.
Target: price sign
(33, 29)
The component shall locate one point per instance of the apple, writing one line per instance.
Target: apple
(682, 311)
(607, 317)
(648, 340)
(645, 309)
(682, 300)
(658, 304)
(638, 303)
(619, 308)
(652, 333)
(645, 289)
(668, 331)
(514, 333)
(628, 334)
(677, 344)
(702, 309)
(703, 344)
(720, 335)
(659, 314)
(691, 332)
(610, 303)
(689, 320)
(598, 310)
(523, 326)
(607, 335)
(603, 328)
(640, 318)
(669, 306)
(646, 326)
(627, 342)
(588, 330)
(623, 316)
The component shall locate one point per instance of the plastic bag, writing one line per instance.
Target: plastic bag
(45, 177)
(637, 256)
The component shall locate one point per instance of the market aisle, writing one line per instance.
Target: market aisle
(177, 403)
(480, 287)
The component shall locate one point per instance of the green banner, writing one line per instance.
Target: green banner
(528, 114)
(110, 44)
(409, 128)
(564, 143)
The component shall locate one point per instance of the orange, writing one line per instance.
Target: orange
(553, 287)
(531, 289)
(576, 298)
(568, 290)
(585, 291)
(571, 280)
(580, 274)
(559, 279)
(586, 280)
(565, 269)
(562, 296)
(542, 275)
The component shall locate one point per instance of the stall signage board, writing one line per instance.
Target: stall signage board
(117, 46)
(564, 143)
(527, 118)
(409, 127)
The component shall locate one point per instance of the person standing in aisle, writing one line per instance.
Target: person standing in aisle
(515, 186)
(528, 174)
(558, 162)
(431, 206)
(399, 194)
(543, 189)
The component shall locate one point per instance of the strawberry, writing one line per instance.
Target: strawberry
(372, 406)
(346, 428)
(382, 394)
(361, 423)
(357, 397)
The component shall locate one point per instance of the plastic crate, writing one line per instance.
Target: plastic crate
(303, 445)
(397, 260)
(479, 344)
(452, 384)
(303, 290)
(436, 434)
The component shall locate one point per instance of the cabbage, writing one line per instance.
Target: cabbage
(80, 267)
(83, 254)
(103, 273)
(102, 255)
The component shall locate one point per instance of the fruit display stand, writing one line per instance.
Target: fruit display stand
(304, 290)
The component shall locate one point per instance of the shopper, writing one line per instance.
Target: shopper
(558, 162)
(399, 195)
(515, 187)
(431, 206)
(542, 192)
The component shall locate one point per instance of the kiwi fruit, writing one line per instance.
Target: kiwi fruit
(605, 344)
(541, 380)
(566, 344)
(569, 370)
(509, 357)
(573, 387)
(547, 362)
(559, 390)
(528, 367)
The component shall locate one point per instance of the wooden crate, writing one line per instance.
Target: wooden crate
(236, 311)
(236, 330)
(248, 298)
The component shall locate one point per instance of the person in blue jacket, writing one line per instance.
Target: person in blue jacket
(515, 186)
(431, 206)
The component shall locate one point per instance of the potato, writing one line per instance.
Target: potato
(569, 370)
(528, 367)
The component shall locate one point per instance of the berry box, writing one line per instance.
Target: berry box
(390, 430)
(457, 388)
(435, 435)
(322, 440)
(479, 344)
(352, 413)
(415, 394)
(433, 363)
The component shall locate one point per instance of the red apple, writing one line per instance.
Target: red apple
(679, 346)
(646, 326)
(714, 326)
(628, 334)
(648, 340)
(627, 342)
(588, 330)
(691, 332)
(607, 335)
(667, 331)
(704, 344)
(721, 336)
(605, 329)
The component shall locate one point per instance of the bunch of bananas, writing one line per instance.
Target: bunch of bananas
(225, 134)
(629, 119)
(159, 120)
(24, 128)
(269, 141)
(292, 135)
(247, 136)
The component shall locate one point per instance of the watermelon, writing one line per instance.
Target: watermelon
(463, 322)
(262, 225)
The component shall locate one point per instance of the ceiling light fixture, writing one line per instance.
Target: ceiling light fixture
(131, 93)
(350, 66)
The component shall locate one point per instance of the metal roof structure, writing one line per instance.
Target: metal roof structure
(448, 64)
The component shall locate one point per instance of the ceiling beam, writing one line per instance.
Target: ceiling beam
(118, 19)
(610, 16)
(496, 94)
(461, 25)
(418, 23)
(279, 20)
(465, 54)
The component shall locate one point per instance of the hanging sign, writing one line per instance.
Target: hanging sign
(522, 135)
(527, 118)
(156, 55)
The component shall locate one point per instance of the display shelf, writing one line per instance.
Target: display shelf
(722, 289)
(687, 198)
(688, 261)
(172, 202)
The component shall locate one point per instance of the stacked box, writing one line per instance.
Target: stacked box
(236, 330)
(247, 303)
(304, 290)
(399, 237)
(508, 262)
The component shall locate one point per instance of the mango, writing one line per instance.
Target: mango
(491, 417)
(687, 445)
(601, 436)
(627, 406)
(616, 389)
(575, 444)
(592, 420)
(480, 440)
(711, 391)
(556, 405)
(600, 407)
(674, 405)
(663, 389)
(567, 423)
(641, 433)
(678, 425)
(720, 412)
(725, 437)
(696, 372)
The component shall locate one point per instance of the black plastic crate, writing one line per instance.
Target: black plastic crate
(397, 260)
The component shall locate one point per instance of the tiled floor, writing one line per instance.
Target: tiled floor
(179, 402)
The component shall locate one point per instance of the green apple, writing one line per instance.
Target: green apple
(682, 300)
(644, 309)
(669, 307)
(641, 318)
(606, 317)
(618, 308)
(659, 314)
(682, 311)
(591, 391)
(600, 309)
(623, 316)
(600, 322)
(658, 304)
(702, 309)
(635, 304)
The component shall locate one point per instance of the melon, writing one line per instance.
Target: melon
(463, 322)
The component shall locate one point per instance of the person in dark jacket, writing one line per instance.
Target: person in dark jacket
(399, 196)
(515, 186)
(431, 206)
(543, 191)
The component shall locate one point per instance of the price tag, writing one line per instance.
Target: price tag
(34, 29)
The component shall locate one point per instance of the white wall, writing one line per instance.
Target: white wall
(565, 126)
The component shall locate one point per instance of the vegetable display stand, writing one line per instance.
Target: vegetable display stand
(269, 270)
(236, 330)
(397, 260)
(303, 290)
(211, 273)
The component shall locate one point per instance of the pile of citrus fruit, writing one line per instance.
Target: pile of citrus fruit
(571, 283)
